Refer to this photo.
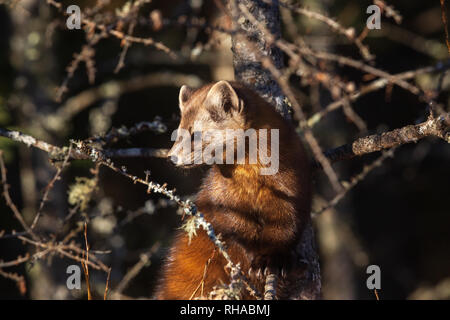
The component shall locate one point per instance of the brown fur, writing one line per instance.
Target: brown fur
(259, 217)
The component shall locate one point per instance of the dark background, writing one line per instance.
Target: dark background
(397, 217)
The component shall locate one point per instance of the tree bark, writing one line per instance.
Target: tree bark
(249, 70)
(247, 67)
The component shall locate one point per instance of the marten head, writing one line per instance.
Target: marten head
(215, 128)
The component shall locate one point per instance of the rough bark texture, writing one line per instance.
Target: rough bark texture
(434, 126)
(249, 70)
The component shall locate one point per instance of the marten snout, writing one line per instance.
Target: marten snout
(172, 156)
(172, 159)
(179, 156)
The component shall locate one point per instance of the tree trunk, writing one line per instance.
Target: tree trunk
(249, 70)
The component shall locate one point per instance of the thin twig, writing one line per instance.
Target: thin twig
(9, 201)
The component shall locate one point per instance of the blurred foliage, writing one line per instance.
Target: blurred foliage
(396, 218)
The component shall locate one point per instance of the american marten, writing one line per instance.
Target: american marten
(260, 217)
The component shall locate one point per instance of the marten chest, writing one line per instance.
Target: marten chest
(243, 205)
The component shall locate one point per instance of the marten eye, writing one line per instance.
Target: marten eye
(215, 116)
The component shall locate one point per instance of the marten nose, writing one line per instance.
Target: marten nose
(171, 157)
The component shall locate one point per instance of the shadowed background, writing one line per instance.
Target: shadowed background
(397, 217)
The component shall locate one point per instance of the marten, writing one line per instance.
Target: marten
(260, 217)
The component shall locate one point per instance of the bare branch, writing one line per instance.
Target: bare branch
(434, 127)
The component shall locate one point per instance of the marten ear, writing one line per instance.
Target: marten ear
(222, 96)
(185, 94)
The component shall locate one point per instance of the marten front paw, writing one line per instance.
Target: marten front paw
(262, 265)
